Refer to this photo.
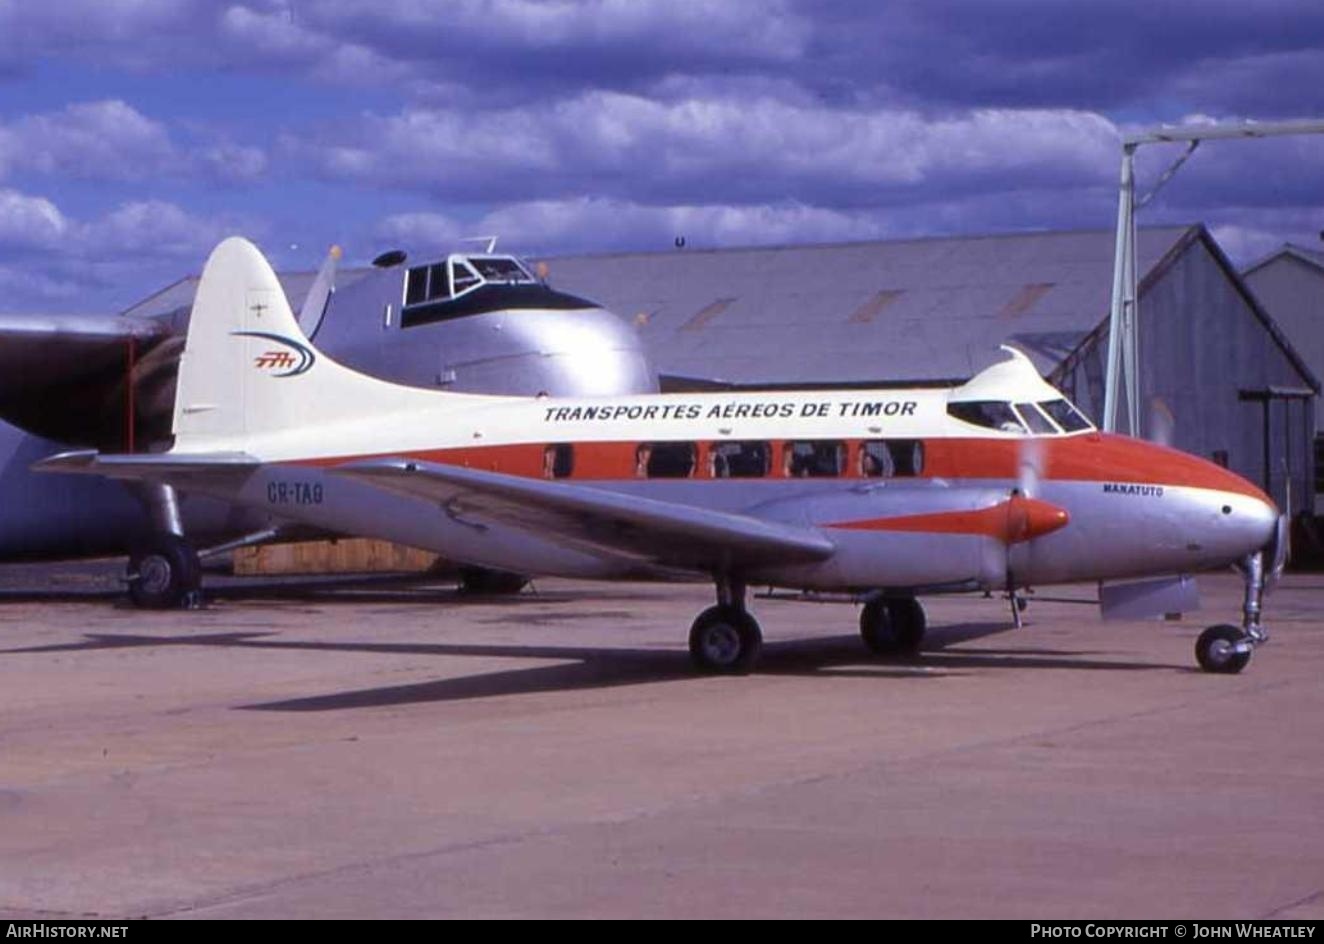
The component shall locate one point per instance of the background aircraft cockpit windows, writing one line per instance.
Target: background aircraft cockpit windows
(504, 270)
(416, 286)
(558, 461)
(739, 460)
(990, 414)
(1035, 420)
(665, 460)
(1065, 415)
(891, 458)
(813, 459)
(463, 277)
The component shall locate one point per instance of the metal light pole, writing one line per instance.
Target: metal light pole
(1123, 333)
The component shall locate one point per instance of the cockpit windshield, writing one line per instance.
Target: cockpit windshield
(1046, 418)
(1066, 416)
(459, 275)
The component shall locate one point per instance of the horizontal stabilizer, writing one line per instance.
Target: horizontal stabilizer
(152, 467)
(598, 520)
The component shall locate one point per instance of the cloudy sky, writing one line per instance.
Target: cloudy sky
(136, 133)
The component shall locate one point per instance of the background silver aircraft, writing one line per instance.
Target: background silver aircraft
(478, 322)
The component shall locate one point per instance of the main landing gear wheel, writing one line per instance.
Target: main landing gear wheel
(164, 573)
(725, 640)
(481, 581)
(891, 627)
(1222, 649)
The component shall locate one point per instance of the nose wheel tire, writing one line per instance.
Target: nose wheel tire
(893, 627)
(164, 573)
(725, 640)
(1222, 650)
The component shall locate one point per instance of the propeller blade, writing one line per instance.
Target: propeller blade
(1030, 467)
(1162, 422)
(323, 287)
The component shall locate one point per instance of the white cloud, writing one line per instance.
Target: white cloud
(420, 231)
(30, 223)
(710, 150)
(111, 140)
(107, 140)
(125, 253)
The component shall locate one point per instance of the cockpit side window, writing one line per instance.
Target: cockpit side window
(990, 414)
(1065, 415)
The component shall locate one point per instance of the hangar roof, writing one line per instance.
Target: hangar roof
(904, 310)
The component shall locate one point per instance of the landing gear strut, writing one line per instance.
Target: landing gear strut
(725, 639)
(1227, 649)
(891, 626)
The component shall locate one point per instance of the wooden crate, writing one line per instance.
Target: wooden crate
(341, 556)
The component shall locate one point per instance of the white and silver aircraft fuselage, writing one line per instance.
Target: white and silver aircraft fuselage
(999, 483)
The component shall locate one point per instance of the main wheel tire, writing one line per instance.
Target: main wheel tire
(892, 627)
(483, 582)
(164, 573)
(1215, 653)
(908, 623)
(725, 640)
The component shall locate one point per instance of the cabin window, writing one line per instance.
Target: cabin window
(1065, 415)
(893, 458)
(990, 414)
(739, 460)
(665, 460)
(558, 461)
(813, 459)
(1037, 422)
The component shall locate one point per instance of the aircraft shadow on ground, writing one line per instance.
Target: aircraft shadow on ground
(581, 668)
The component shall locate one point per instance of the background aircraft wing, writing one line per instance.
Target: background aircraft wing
(63, 376)
(598, 520)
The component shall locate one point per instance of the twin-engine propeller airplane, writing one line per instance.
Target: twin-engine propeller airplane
(997, 484)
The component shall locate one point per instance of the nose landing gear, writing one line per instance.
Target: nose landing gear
(1227, 649)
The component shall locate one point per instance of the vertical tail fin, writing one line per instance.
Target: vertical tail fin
(248, 370)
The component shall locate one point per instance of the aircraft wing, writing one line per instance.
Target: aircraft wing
(63, 376)
(597, 520)
(44, 350)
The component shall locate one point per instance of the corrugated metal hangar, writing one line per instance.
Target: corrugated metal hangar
(934, 311)
(1290, 285)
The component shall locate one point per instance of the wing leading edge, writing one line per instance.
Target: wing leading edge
(601, 521)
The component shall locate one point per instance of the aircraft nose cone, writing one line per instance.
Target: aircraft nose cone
(1245, 523)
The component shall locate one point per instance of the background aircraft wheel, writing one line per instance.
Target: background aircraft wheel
(1214, 652)
(480, 580)
(889, 627)
(725, 639)
(164, 573)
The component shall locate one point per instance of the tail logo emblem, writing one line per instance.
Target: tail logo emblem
(288, 360)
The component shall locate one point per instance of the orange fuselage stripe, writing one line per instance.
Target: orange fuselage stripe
(1093, 457)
